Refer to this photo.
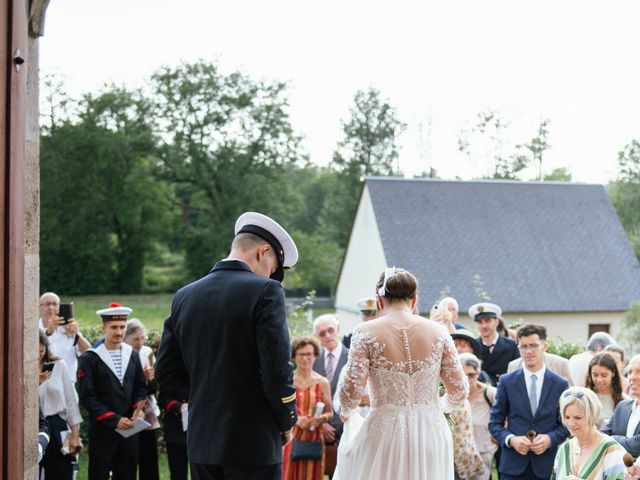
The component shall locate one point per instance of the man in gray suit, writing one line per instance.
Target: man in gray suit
(624, 426)
(329, 364)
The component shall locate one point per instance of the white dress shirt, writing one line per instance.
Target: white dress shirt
(634, 419)
(58, 397)
(492, 344)
(63, 346)
(539, 379)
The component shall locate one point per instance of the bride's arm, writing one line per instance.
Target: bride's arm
(453, 377)
(355, 376)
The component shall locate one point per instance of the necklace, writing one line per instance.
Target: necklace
(579, 448)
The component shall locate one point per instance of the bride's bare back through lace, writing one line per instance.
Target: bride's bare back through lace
(403, 357)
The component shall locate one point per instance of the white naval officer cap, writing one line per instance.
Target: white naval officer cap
(484, 310)
(367, 304)
(114, 312)
(271, 231)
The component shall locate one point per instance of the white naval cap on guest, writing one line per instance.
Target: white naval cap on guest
(484, 310)
(271, 231)
(367, 304)
(114, 312)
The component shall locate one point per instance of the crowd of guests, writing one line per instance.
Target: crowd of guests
(114, 381)
(530, 413)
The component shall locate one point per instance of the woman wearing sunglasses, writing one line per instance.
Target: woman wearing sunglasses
(590, 454)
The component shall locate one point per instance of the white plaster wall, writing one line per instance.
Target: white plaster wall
(364, 262)
(569, 326)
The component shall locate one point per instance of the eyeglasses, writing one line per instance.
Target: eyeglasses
(531, 346)
(573, 394)
(50, 304)
(304, 355)
(328, 331)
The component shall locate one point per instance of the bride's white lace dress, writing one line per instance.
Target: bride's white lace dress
(405, 436)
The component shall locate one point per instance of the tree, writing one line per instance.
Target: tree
(561, 174)
(531, 153)
(625, 192)
(229, 141)
(487, 138)
(102, 209)
(369, 147)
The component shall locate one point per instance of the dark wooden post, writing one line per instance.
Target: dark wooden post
(13, 82)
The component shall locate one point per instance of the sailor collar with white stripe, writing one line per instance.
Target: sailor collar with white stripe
(102, 352)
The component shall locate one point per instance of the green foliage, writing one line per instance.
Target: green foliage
(562, 174)
(625, 192)
(632, 327)
(101, 208)
(368, 148)
(228, 144)
(319, 263)
(300, 321)
(564, 348)
(486, 138)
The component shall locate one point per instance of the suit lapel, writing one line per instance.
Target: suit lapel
(320, 368)
(521, 385)
(546, 388)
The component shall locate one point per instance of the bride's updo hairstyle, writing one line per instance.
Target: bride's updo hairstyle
(397, 283)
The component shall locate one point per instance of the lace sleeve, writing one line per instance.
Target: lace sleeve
(355, 375)
(453, 377)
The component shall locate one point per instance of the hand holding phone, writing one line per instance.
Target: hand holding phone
(66, 311)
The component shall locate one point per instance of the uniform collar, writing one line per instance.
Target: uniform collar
(102, 352)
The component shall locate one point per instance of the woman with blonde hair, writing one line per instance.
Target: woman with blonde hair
(590, 454)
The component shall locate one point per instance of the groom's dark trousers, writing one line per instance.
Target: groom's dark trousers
(202, 471)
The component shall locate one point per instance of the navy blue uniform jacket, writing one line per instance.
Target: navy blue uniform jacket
(227, 339)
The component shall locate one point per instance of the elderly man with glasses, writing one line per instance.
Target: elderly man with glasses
(528, 400)
(65, 339)
(329, 364)
(624, 426)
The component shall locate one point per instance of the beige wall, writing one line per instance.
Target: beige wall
(363, 263)
(569, 326)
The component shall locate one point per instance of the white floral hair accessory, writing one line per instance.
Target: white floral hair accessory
(388, 273)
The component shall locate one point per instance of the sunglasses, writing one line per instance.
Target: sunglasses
(328, 331)
(573, 394)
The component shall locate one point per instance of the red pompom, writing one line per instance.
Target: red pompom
(114, 304)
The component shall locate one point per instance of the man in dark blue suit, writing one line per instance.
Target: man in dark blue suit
(528, 399)
(497, 351)
(624, 426)
(226, 342)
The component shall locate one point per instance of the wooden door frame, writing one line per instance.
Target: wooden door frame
(13, 87)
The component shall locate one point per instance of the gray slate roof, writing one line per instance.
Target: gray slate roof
(537, 247)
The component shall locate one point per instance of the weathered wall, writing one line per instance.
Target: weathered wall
(32, 239)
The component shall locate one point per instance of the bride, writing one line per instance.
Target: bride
(402, 356)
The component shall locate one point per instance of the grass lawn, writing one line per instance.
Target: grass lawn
(83, 473)
(151, 309)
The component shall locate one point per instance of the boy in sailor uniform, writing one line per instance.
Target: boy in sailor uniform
(110, 385)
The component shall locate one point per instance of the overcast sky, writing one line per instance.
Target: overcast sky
(575, 63)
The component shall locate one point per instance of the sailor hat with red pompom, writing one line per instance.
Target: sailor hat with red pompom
(114, 312)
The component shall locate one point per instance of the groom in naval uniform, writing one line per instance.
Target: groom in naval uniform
(497, 351)
(226, 342)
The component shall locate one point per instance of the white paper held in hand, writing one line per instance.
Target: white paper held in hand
(318, 411)
(185, 417)
(139, 424)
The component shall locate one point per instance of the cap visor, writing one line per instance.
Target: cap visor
(278, 274)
